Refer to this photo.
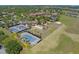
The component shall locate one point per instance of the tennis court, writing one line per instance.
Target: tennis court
(18, 28)
(30, 38)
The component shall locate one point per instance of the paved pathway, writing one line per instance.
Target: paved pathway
(2, 50)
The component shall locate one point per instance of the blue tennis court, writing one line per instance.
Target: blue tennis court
(30, 38)
(18, 28)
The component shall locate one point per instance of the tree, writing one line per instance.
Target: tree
(13, 47)
(2, 24)
(2, 35)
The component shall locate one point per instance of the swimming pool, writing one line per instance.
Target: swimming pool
(30, 38)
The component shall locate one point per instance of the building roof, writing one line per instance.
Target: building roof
(38, 26)
(53, 17)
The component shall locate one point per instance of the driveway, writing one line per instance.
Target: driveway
(2, 50)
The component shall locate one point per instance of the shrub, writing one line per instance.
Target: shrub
(13, 47)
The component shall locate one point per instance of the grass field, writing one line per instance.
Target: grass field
(67, 20)
(67, 45)
(72, 23)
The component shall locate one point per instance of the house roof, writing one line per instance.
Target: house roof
(53, 17)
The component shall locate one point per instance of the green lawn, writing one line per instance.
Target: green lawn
(66, 45)
(72, 23)
(67, 20)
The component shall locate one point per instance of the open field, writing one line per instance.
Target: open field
(71, 23)
(74, 37)
(67, 45)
